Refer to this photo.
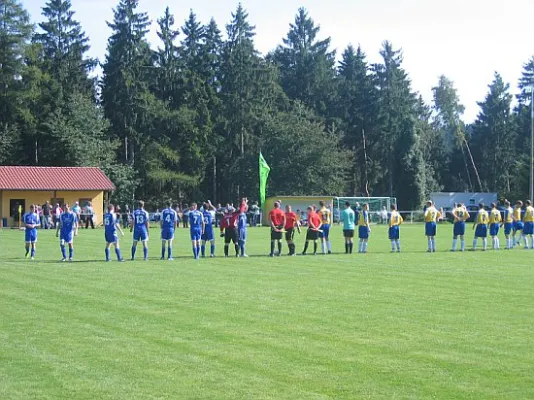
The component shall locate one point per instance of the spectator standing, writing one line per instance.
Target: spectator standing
(47, 209)
(126, 216)
(219, 214)
(57, 214)
(90, 215)
(77, 210)
(185, 216)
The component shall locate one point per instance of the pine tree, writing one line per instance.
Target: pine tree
(64, 46)
(168, 64)
(15, 33)
(358, 110)
(494, 137)
(307, 65)
(126, 76)
(401, 152)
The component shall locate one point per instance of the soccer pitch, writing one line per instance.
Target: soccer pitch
(376, 326)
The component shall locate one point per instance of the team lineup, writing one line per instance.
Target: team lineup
(518, 227)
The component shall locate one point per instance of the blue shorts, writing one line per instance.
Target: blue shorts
(66, 237)
(111, 237)
(167, 234)
(242, 235)
(325, 231)
(459, 228)
(481, 231)
(140, 235)
(508, 226)
(528, 228)
(363, 232)
(394, 233)
(30, 235)
(518, 226)
(430, 229)
(208, 235)
(196, 234)
(494, 229)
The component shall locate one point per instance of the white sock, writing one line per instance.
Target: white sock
(329, 245)
(454, 243)
(475, 243)
(497, 243)
(398, 245)
(525, 240)
(484, 243)
(393, 243)
(429, 244)
(462, 244)
(434, 244)
(365, 246)
(360, 247)
(323, 247)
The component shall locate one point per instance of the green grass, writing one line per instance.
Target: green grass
(374, 326)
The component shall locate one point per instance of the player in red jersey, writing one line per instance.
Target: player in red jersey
(229, 230)
(292, 223)
(314, 227)
(277, 218)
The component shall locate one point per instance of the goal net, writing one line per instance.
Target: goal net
(377, 206)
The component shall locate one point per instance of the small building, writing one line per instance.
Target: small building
(447, 200)
(23, 186)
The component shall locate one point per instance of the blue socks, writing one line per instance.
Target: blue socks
(118, 253)
(203, 249)
(63, 251)
(107, 254)
(33, 252)
(71, 252)
(170, 252)
(145, 252)
(134, 248)
(212, 249)
(163, 251)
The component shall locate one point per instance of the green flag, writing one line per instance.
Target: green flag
(264, 174)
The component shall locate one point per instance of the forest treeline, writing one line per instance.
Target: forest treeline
(186, 118)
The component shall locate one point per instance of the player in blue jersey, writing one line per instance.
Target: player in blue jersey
(242, 227)
(31, 221)
(68, 227)
(169, 221)
(209, 234)
(140, 226)
(111, 225)
(196, 228)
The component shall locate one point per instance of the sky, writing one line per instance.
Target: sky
(465, 40)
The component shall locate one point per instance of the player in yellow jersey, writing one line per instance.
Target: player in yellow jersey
(431, 217)
(494, 223)
(363, 228)
(395, 219)
(528, 225)
(324, 235)
(508, 223)
(518, 223)
(460, 215)
(481, 228)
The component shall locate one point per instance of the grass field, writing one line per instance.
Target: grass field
(374, 326)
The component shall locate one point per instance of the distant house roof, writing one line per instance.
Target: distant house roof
(54, 178)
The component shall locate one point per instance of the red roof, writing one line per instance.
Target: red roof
(54, 178)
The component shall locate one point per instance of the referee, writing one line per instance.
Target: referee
(277, 218)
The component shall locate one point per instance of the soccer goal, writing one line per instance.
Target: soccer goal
(377, 206)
